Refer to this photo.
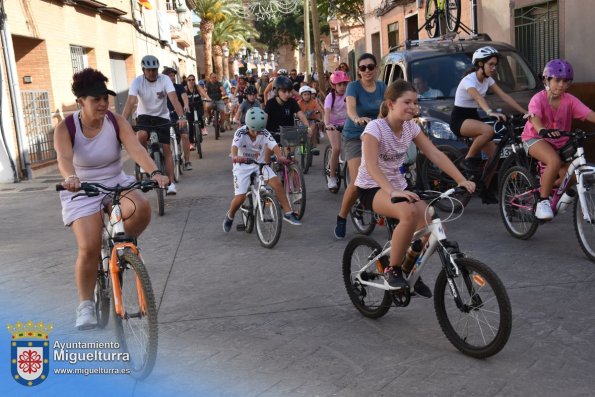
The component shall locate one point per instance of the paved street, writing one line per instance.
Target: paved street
(236, 319)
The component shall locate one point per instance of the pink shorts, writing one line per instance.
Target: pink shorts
(84, 206)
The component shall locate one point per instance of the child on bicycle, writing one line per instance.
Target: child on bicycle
(335, 114)
(251, 142)
(465, 120)
(282, 109)
(312, 109)
(249, 103)
(551, 111)
(384, 147)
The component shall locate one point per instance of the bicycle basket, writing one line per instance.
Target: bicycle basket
(567, 151)
(293, 136)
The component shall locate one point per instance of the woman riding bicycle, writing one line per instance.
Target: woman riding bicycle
(465, 120)
(384, 147)
(335, 114)
(92, 153)
(552, 110)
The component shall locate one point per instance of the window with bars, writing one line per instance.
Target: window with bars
(78, 57)
(537, 34)
(393, 34)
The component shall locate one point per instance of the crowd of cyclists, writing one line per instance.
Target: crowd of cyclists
(370, 124)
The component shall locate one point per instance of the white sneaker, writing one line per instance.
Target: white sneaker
(321, 134)
(85, 316)
(331, 183)
(172, 189)
(543, 210)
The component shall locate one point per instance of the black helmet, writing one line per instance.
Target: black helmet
(250, 90)
(282, 83)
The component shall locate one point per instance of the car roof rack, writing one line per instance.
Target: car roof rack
(453, 37)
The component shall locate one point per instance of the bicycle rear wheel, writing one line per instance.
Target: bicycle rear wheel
(363, 220)
(198, 142)
(268, 228)
(452, 9)
(433, 178)
(296, 189)
(370, 301)
(247, 212)
(160, 192)
(518, 197)
(102, 298)
(216, 123)
(432, 19)
(585, 232)
(137, 329)
(481, 327)
(302, 151)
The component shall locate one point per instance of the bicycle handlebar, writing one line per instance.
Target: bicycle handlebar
(545, 133)
(93, 189)
(430, 194)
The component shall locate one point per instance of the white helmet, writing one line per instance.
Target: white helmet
(305, 89)
(149, 62)
(484, 53)
(282, 72)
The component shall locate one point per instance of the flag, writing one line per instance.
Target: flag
(146, 4)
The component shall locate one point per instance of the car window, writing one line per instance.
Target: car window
(387, 70)
(513, 73)
(397, 74)
(441, 74)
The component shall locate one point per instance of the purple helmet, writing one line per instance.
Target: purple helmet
(559, 68)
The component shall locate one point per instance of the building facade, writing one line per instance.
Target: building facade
(45, 42)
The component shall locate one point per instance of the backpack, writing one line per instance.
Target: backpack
(72, 128)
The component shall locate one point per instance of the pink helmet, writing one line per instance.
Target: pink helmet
(339, 76)
(559, 68)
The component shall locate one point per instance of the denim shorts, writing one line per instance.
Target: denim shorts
(529, 143)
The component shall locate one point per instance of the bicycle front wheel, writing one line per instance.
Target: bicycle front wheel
(585, 232)
(432, 17)
(137, 329)
(160, 192)
(216, 124)
(452, 9)
(481, 327)
(268, 222)
(176, 157)
(102, 298)
(518, 197)
(370, 301)
(296, 190)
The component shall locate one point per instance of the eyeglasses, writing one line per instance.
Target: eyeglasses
(370, 67)
(190, 79)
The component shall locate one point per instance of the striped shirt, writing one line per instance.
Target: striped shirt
(392, 151)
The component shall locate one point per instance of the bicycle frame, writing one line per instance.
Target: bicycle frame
(255, 189)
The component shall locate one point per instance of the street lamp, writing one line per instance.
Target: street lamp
(226, 52)
(301, 46)
(243, 51)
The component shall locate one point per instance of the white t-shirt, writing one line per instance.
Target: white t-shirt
(152, 97)
(462, 97)
(391, 153)
(254, 150)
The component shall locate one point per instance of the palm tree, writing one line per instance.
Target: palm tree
(210, 13)
(231, 31)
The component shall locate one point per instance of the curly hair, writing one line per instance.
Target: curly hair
(86, 78)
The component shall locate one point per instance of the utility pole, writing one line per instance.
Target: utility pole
(307, 38)
(317, 51)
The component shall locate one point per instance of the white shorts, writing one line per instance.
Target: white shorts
(241, 176)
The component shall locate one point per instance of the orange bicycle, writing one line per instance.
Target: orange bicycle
(123, 279)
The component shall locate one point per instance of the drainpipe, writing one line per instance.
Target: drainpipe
(15, 95)
(474, 12)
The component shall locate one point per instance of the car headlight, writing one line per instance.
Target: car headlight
(438, 129)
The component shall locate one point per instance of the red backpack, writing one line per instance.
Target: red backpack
(72, 128)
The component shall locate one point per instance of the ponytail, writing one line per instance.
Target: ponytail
(383, 110)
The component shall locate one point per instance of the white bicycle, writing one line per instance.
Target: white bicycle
(470, 301)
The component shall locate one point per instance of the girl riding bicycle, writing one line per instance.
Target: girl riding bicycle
(384, 147)
(335, 114)
(552, 110)
(465, 120)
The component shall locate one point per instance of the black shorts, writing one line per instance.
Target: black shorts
(459, 115)
(366, 197)
(143, 121)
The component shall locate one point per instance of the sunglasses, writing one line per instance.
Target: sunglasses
(190, 79)
(370, 67)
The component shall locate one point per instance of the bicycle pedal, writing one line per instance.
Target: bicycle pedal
(240, 228)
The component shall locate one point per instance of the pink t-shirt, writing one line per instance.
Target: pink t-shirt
(570, 108)
(391, 153)
(338, 111)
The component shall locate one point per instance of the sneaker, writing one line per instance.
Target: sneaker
(227, 222)
(472, 164)
(394, 277)
(204, 132)
(315, 151)
(340, 228)
(171, 189)
(488, 197)
(543, 210)
(85, 316)
(422, 289)
(292, 218)
(188, 166)
(331, 184)
(192, 147)
(321, 135)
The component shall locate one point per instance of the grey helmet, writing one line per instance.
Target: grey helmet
(149, 62)
(256, 119)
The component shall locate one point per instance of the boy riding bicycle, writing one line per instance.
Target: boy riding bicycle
(251, 142)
